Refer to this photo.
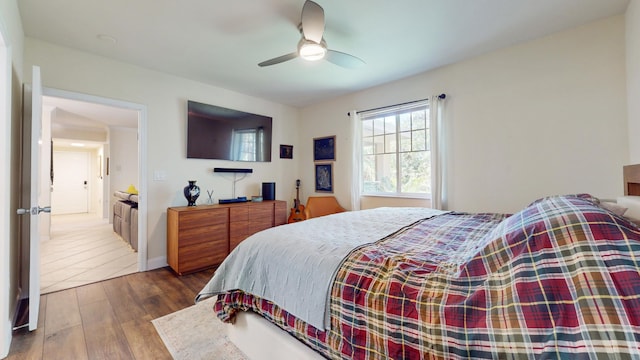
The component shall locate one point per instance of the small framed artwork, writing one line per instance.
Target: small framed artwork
(324, 177)
(324, 148)
(286, 151)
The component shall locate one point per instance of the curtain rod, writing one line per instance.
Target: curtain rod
(441, 96)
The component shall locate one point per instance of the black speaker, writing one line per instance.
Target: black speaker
(269, 191)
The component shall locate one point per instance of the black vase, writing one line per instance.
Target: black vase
(191, 192)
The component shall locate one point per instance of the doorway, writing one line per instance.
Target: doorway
(83, 129)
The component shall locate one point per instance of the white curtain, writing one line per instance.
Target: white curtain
(356, 160)
(438, 154)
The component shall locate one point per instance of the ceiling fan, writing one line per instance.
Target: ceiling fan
(312, 46)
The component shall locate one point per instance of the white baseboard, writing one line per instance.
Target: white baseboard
(157, 263)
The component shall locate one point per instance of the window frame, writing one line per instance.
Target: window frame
(396, 111)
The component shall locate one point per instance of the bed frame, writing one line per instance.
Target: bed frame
(259, 339)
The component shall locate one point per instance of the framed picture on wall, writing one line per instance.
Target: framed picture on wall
(286, 151)
(324, 177)
(324, 148)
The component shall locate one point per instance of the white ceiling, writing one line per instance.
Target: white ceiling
(85, 122)
(80, 114)
(220, 42)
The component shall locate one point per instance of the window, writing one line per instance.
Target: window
(396, 151)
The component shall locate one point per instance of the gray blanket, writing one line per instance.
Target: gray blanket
(294, 265)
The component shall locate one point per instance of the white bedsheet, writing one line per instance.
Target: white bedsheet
(294, 265)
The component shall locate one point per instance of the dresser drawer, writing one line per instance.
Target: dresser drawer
(201, 256)
(193, 219)
(239, 214)
(261, 212)
(204, 234)
(238, 231)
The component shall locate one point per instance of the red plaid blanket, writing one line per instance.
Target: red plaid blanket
(560, 279)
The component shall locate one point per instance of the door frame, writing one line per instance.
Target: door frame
(5, 169)
(142, 158)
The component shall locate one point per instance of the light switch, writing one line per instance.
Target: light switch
(159, 175)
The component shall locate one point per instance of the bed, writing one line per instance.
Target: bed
(558, 279)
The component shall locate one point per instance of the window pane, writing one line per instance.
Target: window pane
(379, 173)
(405, 122)
(369, 174)
(415, 168)
(390, 143)
(419, 140)
(418, 120)
(378, 144)
(367, 127)
(378, 126)
(386, 173)
(367, 146)
(405, 141)
(390, 125)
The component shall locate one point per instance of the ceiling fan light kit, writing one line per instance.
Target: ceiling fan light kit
(312, 46)
(311, 51)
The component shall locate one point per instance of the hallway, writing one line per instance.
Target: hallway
(83, 249)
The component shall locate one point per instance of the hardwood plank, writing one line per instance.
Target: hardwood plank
(197, 280)
(145, 284)
(62, 311)
(94, 321)
(175, 291)
(157, 306)
(66, 343)
(125, 305)
(103, 335)
(27, 345)
(144, 341)
(91, 293)
(43, 311)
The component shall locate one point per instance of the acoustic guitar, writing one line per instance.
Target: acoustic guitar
(297, 212)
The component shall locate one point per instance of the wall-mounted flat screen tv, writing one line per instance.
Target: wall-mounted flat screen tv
(219, 133)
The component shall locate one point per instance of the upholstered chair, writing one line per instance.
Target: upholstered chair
(321, 206)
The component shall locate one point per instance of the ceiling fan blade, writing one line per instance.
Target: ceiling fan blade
(312, 21)
(279, 59)
(343, 59)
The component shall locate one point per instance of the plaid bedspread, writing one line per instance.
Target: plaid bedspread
(559, 279)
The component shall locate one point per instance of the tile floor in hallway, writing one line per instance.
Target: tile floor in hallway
(83, 249)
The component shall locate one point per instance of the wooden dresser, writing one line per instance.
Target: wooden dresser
(199, 237)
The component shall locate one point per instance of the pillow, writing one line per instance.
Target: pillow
(614, 208)
(632, 203)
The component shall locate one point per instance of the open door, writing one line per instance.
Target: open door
(30, 198)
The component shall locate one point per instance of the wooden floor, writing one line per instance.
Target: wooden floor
(109, 319)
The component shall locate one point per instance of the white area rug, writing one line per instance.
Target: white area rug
(196, 333)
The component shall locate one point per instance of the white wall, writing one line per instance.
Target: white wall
(166, 97)
(633, 78)
(123, 162)
(540, 118)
